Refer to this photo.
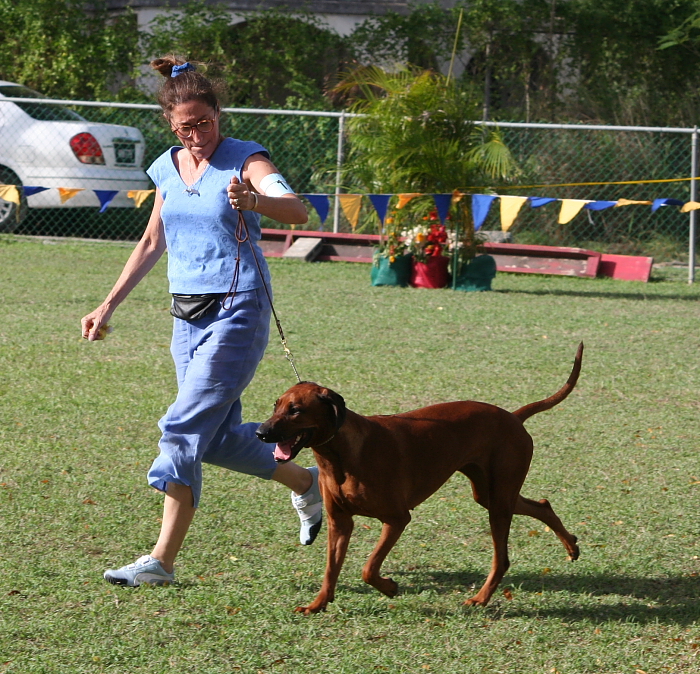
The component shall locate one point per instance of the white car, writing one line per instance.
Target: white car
(49, 145)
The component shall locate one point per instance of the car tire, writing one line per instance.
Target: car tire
(8, 210)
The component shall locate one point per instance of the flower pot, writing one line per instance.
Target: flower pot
(396, 273)
(430, 274)
(477, 274)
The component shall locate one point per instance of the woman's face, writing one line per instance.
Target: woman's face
(201, 144)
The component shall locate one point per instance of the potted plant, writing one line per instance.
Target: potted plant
(427, 245)
(391, 263)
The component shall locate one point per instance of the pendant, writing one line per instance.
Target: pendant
(191, 191)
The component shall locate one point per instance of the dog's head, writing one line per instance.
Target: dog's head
(305, 415)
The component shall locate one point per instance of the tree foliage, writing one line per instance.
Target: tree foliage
(65, 50)
(416, 133)
(632, 62)
(271, 58)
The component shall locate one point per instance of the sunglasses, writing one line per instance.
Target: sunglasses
(186, 130)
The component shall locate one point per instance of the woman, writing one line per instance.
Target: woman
(219, 337)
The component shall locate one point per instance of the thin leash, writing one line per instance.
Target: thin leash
(243, 235)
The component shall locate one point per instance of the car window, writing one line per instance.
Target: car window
(41, 111)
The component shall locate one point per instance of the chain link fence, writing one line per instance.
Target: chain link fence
(548, 155)
(99, 146)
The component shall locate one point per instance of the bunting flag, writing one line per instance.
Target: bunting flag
(600, 205)
(510, 207)
(10, 193)
(632, 202)
(481, 204)
(66, 193)
(139, 196)
(536, 202)
(352, 203)
(28, 191)
(321, 205)
(351, 207)
(405, 198)
(443, 203)
(658, 203)
(380, 203)
(570, 208)
(105, 197)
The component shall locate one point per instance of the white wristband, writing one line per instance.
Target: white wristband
(274, 185)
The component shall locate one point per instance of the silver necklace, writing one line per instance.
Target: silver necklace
(192, 189)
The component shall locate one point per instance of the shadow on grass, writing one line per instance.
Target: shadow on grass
(604, 597)
(638, 296)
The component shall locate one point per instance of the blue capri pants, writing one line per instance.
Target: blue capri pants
(215, 359)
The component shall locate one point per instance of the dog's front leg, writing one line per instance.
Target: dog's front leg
(340, 526)
(391, 532)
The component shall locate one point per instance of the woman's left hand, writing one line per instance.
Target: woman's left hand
(239, 196)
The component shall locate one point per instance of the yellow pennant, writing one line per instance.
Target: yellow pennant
(9, 193)
(510, 207)
(631, 202)
(570, 208)
(139, 196)
(405, 198)
(66, 193)
(690, 206)
(351, 207)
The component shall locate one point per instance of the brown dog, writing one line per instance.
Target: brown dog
(384, 466)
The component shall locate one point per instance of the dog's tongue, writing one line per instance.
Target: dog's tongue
(283, 451)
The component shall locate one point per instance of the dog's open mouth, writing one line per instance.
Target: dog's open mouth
(287, 449)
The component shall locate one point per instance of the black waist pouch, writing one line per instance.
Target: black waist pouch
(194, 307)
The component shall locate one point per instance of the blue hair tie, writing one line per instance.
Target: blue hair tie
(177, 70)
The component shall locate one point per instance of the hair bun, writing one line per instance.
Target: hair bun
(166, 64)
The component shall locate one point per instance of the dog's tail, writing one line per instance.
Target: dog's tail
(542, 405)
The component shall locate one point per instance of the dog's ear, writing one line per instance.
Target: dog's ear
(337, 403)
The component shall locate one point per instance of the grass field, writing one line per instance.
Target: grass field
(618, 460)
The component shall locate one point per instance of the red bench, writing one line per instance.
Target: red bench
(510, 257)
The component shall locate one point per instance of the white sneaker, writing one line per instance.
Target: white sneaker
(309, 507)
(146, 569)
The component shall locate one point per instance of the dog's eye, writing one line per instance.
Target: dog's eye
(293, 410)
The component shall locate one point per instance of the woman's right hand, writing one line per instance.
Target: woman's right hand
(95, 323)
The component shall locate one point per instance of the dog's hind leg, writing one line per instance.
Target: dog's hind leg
(391, 532)
(542, 510)
(500, 517)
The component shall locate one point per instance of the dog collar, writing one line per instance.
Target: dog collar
(318, 444)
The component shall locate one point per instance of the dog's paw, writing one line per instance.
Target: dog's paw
(386, 586)
(475, 602)
(311, 609)
(574, 551)
(389, 587)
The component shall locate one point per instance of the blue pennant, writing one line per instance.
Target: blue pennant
(658, 203)
(481, 204)
(536, 202)
(442, 203)
(28, 191)
(600, 205)
(105, 197)
(321, 203)
(380, 203)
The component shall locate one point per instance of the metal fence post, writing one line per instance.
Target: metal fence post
(338, 173)
(693, 197)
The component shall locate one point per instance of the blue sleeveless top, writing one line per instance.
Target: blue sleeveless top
(200, 228)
